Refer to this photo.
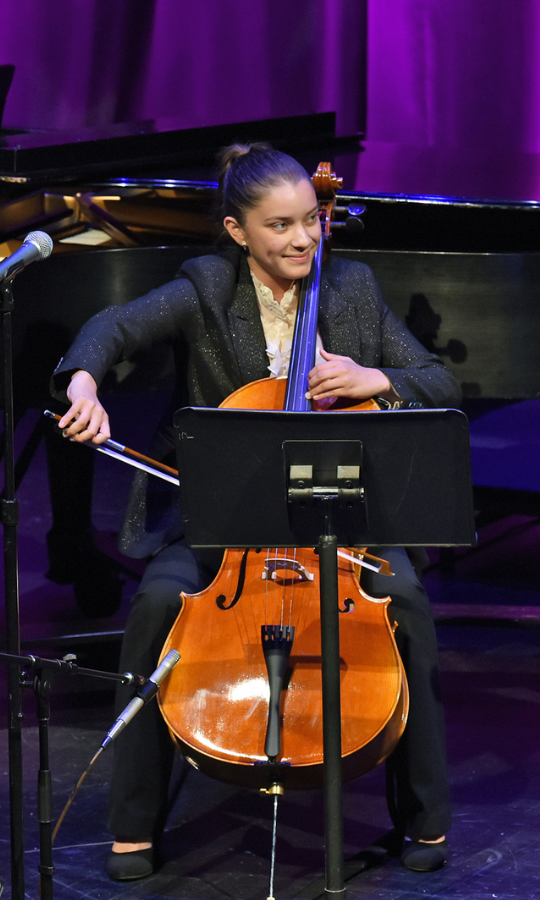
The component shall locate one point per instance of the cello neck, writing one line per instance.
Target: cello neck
(304, 343)
(305, 338)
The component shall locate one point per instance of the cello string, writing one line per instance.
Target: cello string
(267, 589)
(291, 596)
(283, 590)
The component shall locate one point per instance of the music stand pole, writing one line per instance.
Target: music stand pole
(10, 519)
(331, 707)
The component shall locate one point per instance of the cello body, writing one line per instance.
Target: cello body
(216, 701)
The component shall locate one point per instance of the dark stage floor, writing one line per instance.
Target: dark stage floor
(217, 842)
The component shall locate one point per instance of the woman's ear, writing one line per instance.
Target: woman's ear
(235, 230)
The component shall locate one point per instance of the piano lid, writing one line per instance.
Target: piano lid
(39, 156)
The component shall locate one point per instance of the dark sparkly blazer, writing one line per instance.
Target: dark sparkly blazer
(210, 316)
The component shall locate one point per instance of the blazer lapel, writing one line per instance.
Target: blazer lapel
(246, 329)
(338, 324)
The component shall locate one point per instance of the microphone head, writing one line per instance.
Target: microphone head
(166, 665)
(42, 241)
(170, 660)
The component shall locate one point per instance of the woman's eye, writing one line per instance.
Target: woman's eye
(279, 226)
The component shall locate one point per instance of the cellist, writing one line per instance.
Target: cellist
(230, 318)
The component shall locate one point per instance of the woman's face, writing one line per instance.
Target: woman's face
(282, 233)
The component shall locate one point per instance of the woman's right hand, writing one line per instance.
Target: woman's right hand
(86, 418)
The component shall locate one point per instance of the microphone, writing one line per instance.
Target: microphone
(36, 245)
(148, 690)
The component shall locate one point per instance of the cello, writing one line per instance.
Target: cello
(244, 705)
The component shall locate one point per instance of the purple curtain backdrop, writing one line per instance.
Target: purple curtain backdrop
(93, 62)
(455, 73)
(441, 73)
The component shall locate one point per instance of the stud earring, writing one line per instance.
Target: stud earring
(245, 247)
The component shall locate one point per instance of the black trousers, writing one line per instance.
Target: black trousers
(417, 789)
(417, 782)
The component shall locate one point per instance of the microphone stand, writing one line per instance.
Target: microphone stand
(9, 514)
(10, 519)
(41, 683)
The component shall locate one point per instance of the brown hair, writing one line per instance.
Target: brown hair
(249, 171)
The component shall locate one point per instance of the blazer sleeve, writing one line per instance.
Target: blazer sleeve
(376, 337)
(417, 375)
(117, 332)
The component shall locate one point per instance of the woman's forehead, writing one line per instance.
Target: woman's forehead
(287, 199)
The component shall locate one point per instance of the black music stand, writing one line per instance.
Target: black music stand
(287, 479)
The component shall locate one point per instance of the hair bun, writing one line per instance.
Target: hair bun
(230, 154)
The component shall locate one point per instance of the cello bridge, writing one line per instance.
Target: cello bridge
(275, 563)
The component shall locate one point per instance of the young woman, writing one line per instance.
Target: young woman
(230, 319)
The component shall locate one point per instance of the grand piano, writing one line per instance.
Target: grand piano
(126, 207)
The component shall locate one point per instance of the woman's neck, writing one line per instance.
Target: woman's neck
(278, 286)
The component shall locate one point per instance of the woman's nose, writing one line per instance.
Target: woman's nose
(301, 237)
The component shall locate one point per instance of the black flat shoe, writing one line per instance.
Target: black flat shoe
(419, 856)
(388, 845)
(130, 866)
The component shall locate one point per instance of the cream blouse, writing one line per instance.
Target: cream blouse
(278, 320)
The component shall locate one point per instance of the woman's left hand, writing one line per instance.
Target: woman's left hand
(340, 376)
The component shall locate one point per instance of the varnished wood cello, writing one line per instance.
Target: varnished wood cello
(244, 705)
